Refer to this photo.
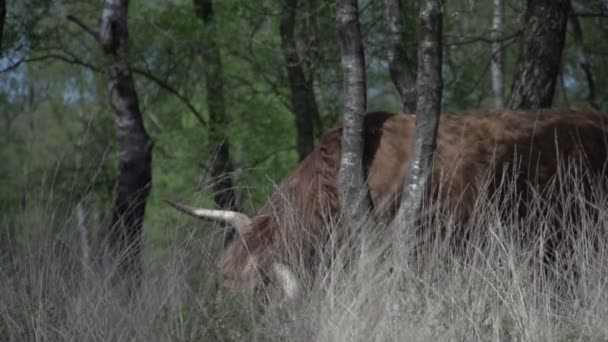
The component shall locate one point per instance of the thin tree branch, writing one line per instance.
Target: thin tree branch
(51, 56)
(164, 85)
(74, 61)
(94, 34)
(13, 66)
(483, 39)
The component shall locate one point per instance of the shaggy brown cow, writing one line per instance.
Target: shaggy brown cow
(470, 144)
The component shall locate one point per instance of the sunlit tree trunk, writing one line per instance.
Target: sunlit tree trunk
(498, 59)
(352, 187)
(428, 110)
(303, 102)
(397, 57)
(540, 56)
(134, 145)
(221, 167)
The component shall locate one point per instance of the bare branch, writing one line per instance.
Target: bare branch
(13, 66)
(164, 85)
(483, 39)
(94, 34)
(142, 72)
(147, 74)
(52, 56)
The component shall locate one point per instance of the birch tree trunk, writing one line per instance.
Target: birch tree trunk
(303, 102)
(540, 57)
(428, 110)
(398, 61)
(221, 167)
(583, 60)
(134, 145)
(498, 59)
(351, 184)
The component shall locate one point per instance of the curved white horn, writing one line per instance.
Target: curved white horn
(287, 280)
(240, 221)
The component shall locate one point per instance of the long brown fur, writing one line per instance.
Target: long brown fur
(470, 146)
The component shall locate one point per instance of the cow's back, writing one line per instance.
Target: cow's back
(476, 147)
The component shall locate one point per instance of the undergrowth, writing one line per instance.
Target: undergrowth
(495, 286)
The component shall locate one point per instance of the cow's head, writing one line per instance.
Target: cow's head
(244, 263)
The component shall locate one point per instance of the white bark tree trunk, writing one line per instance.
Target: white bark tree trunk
(498, 60)
(352, 187)
(428, 110)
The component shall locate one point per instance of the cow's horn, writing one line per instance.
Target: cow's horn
(287, 280)
(236, 219)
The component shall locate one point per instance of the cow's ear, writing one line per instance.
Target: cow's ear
(287, 280)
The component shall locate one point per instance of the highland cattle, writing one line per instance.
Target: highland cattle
(527, 147)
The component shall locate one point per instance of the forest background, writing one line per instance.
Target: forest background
(59, 151)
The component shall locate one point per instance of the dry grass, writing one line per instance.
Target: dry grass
(495, 289)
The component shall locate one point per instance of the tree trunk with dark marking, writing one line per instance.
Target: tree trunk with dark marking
(398, 62)
(540, 57)
(221, 167)
(351, 183)
(584, 61)
(303, 102)
(428, 110)
(134, 145)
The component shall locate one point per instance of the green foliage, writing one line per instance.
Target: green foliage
(57, 131)
(57, 125)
